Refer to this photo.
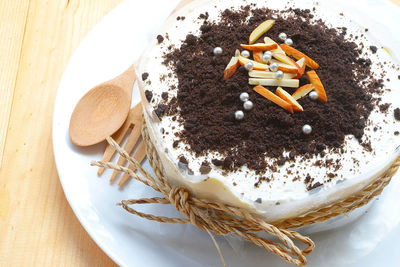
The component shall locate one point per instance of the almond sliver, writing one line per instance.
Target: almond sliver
(259, 47)
(256, 65)
(288, 98)
(274, 98)
(314, 80)
(260, 30)
(274, 82)
(268, 74)
(231, 67)
(302, 91)
(298, 55)
(257, 55)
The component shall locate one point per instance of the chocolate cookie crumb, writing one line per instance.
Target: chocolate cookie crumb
(373, 49)
(217, 162)
(149, 95)
(160, 38)
(204, 16)
(269, 130)
(183, 160)
(145, 75)
(164, 95)
(311, 187)
(190, 40)
(396, 133)
(397, 114)
(161, 110)
(175, 143)
(205, 168)
(259, 200)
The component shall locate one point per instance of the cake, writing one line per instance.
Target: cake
(234, 134)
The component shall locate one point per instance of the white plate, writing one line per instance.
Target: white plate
(111, 47)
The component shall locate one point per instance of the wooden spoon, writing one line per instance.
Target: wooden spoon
(102, 110)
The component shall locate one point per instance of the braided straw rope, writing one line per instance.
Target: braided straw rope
(224, 219)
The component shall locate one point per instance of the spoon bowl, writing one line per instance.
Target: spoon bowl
(102, 110)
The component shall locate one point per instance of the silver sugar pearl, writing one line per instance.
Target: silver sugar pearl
(313, 95)
(279, 75)
(273, 67)
(245, 53)
(268, 53)
(248, 66)
(218, 51)
(244, 96)
(306, 129)
(282, 36)
(248, 105)
(239, 115)
(289, 41)
(266, 57)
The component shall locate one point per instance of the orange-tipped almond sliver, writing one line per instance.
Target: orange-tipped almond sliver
(302, 67)
(260, 30)
(273, 97)
(257, 55)
(302, 91)
(298, 55)
(231, 67)
(287, 68)
(256, 65)
(314, 80)
(259, 47)
(288, 98)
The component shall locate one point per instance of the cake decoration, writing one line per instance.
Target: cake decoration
(244, 96)
(289, 41)
(267, 56)
(274, 66)
(245, 54)
(205, 101)
(307, 129)
(313, 95)
(260, 30)
(217, 51)
(239, 115)
(249, 66)
(282, 36)
(279, 75)
(248, 105)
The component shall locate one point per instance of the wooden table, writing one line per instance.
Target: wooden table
(37, 226)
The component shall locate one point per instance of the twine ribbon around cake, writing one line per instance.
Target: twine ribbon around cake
(224, 219)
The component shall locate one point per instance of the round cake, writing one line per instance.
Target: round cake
(276, 108)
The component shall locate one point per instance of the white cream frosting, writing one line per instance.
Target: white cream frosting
(281, 197)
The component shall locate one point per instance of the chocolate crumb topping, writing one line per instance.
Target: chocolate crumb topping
(164, 95)
(149, 95)
(160, 38)
(145, 75)
(397, 114)
(207, 103)
(205, 168)
(161, 110)
(373, 49)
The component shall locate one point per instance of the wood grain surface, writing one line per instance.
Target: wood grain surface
(37, 226)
